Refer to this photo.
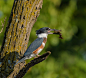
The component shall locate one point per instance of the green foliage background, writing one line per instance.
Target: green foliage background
(68, 56)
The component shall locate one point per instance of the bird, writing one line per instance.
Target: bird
(37, 45)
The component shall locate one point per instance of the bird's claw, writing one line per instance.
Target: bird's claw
(38, 55)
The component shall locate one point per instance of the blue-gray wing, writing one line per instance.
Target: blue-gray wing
(33, 46)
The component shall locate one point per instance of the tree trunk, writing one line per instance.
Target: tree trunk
(23, 16)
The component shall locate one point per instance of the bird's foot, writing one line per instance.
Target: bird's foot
(38, 55)
(35, 57)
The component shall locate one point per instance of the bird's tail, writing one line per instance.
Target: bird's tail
(21, 60)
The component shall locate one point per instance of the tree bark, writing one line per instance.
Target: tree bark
(23, 16)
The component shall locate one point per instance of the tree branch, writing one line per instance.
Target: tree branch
(23, 71)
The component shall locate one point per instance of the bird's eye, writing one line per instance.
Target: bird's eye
(47, 28)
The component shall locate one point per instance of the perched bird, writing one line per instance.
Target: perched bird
(37, 46)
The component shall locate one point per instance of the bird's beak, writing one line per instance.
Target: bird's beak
(55, 31)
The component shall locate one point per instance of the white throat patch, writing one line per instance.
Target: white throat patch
(42, 35)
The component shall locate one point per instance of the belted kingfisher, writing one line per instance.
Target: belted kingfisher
(37, 46)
